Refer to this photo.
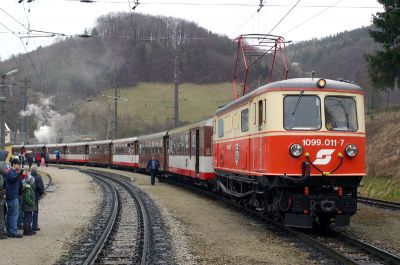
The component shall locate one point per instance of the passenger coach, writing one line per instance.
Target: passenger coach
(189, 150)
(294, 148)
(125, 153)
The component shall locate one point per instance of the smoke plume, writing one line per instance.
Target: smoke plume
(51, 125)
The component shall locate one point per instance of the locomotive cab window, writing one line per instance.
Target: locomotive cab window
(340, 114)
(302, 112)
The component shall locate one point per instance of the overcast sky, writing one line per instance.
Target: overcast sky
(309, 19)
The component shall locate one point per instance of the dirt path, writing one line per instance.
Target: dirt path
(63, 215)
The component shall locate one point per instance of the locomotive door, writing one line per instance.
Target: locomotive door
(258, 139)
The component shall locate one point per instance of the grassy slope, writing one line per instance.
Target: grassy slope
(154, 101)
(383, 155)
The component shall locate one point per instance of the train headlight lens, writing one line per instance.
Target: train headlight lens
(351, 150)
(296, 150)
(321, 83)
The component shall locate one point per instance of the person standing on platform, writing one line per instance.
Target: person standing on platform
(12, 185)
(30, 160)
(46, 159)
(58, 157)
(28, 204)
(38, 158)
(3, 170)
(153, 167)
(39, 191)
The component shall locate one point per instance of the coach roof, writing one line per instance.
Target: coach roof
(290, 84)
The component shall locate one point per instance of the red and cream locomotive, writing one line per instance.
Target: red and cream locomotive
(294, 149)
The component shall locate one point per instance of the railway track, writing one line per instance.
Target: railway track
(132, 229)
(380, 203)
(125, 239)
(336, 245)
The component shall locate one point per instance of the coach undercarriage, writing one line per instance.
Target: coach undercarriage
(300, 202)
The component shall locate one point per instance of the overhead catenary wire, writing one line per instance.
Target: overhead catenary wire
(221, 4)
(26, 50)
(284, 16)
(313, 17)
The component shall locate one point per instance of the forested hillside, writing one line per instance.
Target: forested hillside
(337, 56)
(123, 50)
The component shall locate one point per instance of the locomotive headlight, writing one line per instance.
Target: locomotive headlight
(351, 150)
(321, 83)
(296, 150)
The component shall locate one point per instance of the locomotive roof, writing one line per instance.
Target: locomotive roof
(290, 84)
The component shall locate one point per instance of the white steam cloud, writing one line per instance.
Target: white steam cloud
(51, 125)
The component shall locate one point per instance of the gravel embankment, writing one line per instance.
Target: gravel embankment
(63, 216)
(377, 226)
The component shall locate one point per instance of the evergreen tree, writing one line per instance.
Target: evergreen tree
(384, 65)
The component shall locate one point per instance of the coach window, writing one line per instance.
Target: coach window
(220, 128)
(302, 112)
(244, 120)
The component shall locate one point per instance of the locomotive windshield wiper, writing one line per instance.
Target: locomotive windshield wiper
(294, 109)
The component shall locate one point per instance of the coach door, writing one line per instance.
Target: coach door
(197, 151)
(166, 152)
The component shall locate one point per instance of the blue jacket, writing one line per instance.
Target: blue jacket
(12, 184)
(153, 167)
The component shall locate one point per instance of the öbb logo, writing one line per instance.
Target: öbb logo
(324, 156)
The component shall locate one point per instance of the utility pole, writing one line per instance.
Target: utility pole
(2, 108)
(115, 112)
(116, 98)
(24, 120)
(176, 91)
(177, 74)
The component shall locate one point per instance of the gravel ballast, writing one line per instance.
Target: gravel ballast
(206, 232)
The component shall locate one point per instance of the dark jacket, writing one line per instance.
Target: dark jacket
(39, 186)
(28, 199)
(1, 188)
(12, 184)
(150, 168)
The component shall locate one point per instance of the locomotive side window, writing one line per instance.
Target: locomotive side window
(340, 114)
(302, 112)
(245, 120)
(220, 128)
(265, 111)
(260, 115)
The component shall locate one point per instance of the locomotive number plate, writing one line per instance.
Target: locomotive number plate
(323, 142)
